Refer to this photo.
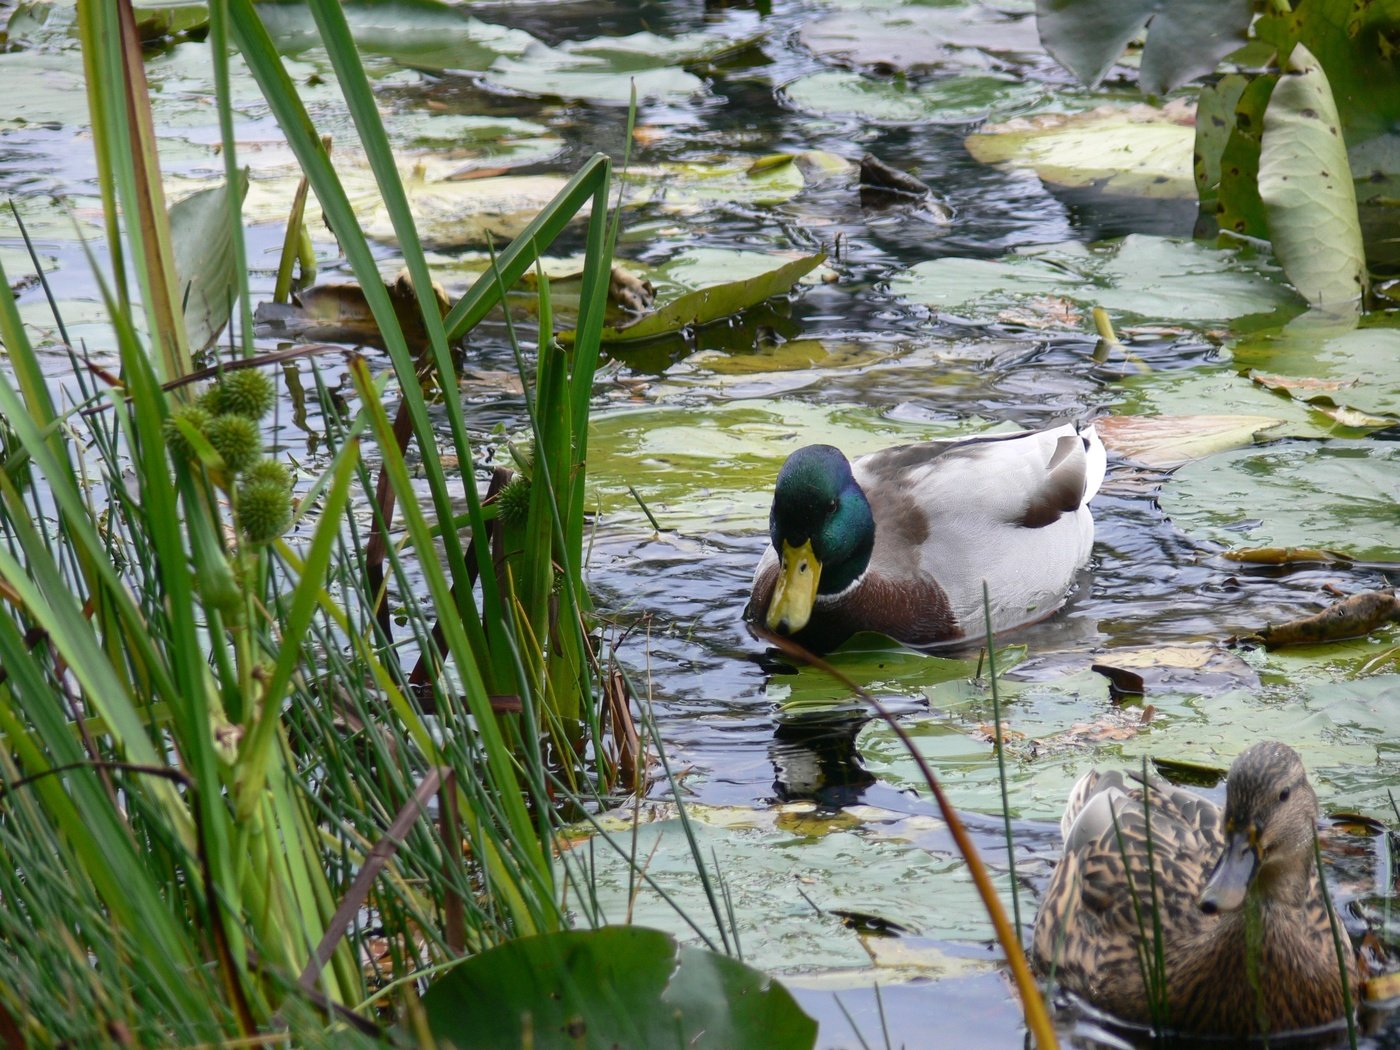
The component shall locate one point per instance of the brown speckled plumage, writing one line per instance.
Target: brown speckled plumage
(1087, 930)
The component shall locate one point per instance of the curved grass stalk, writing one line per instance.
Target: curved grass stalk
(1032, 1002)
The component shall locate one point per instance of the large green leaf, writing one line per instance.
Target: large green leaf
(620, 987)
(1239, 209)
(1185, 37)
(1355, 44)
(205, 263)
(1215, 120)
(1305, 184)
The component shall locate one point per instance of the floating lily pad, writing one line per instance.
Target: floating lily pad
(606, 69)
(1340, 495)
(701, 469)
(707, 305)
(1329, 360)
(63, 100)
(478, 142)
(542, 71)
(881, 863)
(795, 355)
(684, 187)
(947, 100)
(1140, 276)
(1138, 151)
(907, 38)
(419, 34)
(1182, 392)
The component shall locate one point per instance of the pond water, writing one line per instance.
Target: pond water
(807, 810)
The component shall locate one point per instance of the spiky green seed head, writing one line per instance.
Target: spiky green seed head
(269, 472)
(237, 440)
(246, 392)
(514, 501)
(264, 510)
(175, 439)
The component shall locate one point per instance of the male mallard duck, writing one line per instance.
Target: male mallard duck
(900, 541)
(1246, 943)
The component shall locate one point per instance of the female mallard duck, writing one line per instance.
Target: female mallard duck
(900, 541)
(1246, 943)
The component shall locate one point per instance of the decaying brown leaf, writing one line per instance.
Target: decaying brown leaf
(1350, 618)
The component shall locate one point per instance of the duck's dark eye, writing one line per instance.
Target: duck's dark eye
(831, 507)
(1283, 795)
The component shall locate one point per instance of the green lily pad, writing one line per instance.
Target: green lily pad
(606, 70)
(688, 186)
(864, 859)
(1139, 151)
(706, 305)
(63, 100)
(1182, 392)
(1331, 360)
(947, 100)
(910, 38)
(565, 75)
(419, 34)
(1340, 496)
(622, 986)
(1305, 184)
(1140, 276)
(701, 469)
(477, 141)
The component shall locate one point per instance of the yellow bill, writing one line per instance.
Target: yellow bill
(796, 591)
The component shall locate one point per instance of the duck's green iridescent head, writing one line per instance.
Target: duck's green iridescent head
(822, 529)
